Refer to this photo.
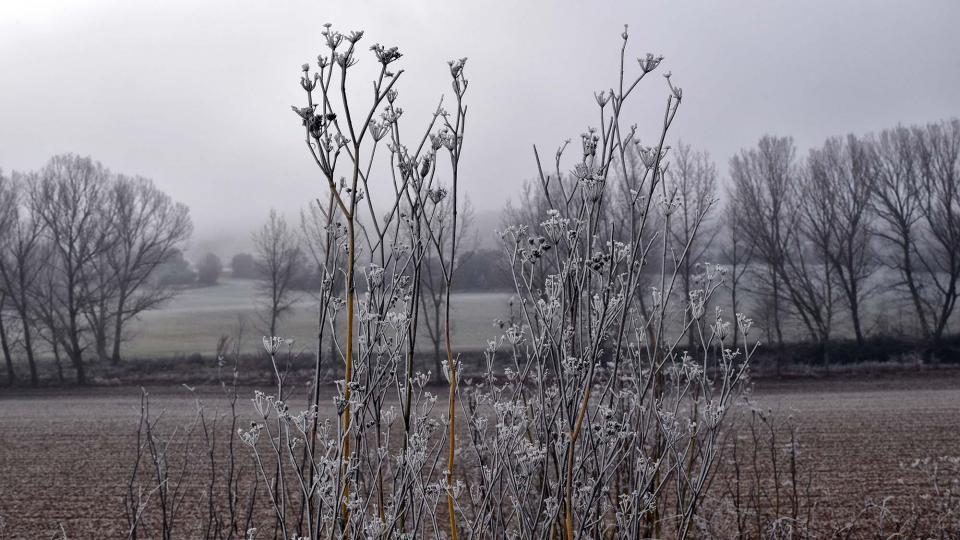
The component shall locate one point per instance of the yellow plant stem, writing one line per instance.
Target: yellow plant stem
(573, 441)
(452, 367)
(347, 378)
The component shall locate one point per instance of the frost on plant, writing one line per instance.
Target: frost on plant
(596, 411)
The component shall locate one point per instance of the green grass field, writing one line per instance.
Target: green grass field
(194, 321)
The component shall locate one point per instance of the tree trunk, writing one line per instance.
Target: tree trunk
(857, 326)
(273, 334)
(28, 346)
(777, 324)
(117, 333)
(437, 362)
(72, 341)
(77, 359)
(733, 306)
(101, 339)
(27, 333)
(907, 271)
(56, 357)
(930, 355)
(11, 374)
(75, 353)
(118, 327)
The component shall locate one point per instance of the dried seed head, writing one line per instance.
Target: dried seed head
(649, 62)
(384, 55)
(355, 36)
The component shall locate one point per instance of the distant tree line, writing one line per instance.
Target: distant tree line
(483, 269)
(80, 250)
(858, 218)
(806, 240)
(178, 272)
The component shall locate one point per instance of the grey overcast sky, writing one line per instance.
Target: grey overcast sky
(196, 94)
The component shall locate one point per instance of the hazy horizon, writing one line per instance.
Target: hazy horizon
(197, 95)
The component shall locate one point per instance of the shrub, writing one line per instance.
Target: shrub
(243, 266)
(176, 271)
(208, 269)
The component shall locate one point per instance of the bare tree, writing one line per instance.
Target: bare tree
(101, 290)
(763, 184)
(148, 226)
(738, 255)
(692, 184)
(808, 273)
(5, 341)
(278, 261)
(938, 152)
(841, 186)
(69, 197)
(20, 263)
(7, 217)
(44, 298)
(918, 201)
(897, 204)
(791, 235)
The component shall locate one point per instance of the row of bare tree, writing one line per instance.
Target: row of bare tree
(78, 249)
(858, 219)
(820, 241)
